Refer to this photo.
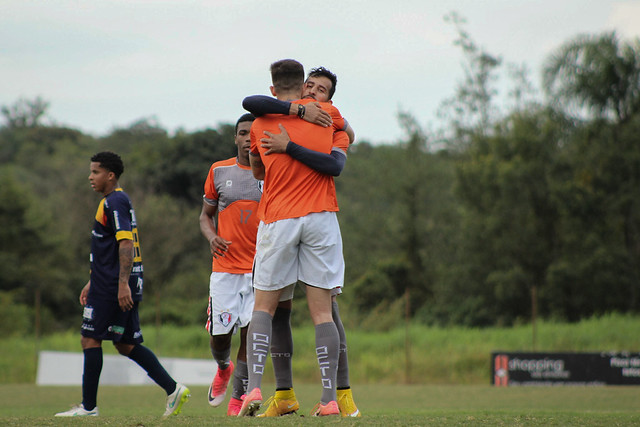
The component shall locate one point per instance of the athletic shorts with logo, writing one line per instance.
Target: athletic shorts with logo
(105, 321)
(230, 302)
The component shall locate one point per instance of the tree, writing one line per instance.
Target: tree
(471, 109)
(596, 73)
(25, 113)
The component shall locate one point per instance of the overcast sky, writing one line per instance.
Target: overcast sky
(105, 64)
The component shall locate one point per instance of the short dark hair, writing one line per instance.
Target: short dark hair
(323, 72)
(248, 117)
(287, 75)
(110, 161)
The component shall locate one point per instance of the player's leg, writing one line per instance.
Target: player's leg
(327, 341)
(258, 343)
(284, 401)
(130, 344)
(322, 269)
(240, 374)
(224, 315)
(275, 272)
(346, 403)
(282, 346)
(96, 318)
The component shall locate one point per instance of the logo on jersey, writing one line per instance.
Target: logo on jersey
(260, 184)
(229, 183)
(225, 318)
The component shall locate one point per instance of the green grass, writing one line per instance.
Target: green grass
(450, 376)
(436, 355)
(390, 405)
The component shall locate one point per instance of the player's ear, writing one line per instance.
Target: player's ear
(273, 91)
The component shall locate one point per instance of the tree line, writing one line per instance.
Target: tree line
(507, 212)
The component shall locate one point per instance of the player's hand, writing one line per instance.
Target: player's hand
(124, 297)
(313, 113)
(219, 246)
(84, 293)
(277, 142)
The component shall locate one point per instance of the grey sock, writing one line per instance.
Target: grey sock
(327, 343)
(258, 342)
(240, 380)
(343, 361)
(282, 348)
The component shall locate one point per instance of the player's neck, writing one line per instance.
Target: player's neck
(109, 188)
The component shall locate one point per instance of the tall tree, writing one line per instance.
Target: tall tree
(471, 110)
(597, 74)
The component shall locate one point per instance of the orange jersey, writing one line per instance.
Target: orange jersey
(292, 189)
(232, 188)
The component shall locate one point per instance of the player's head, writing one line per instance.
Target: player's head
(248, 117)
(243, 137)
(287, 75)
(109, 161)
(320, 84)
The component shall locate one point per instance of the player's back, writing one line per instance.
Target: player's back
(292, 189)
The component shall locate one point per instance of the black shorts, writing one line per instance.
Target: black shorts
(105, 321)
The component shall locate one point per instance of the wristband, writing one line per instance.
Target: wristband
(301, 111)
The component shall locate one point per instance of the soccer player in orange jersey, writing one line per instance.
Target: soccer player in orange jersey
(298, 238)
(232, 193)
(319, 86)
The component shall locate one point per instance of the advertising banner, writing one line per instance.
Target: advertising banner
(549, 369)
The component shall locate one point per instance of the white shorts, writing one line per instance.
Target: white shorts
(308, 249)
(230, 302)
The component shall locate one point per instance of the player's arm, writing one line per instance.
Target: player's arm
(350, 132)
(217, 244)
(259, 105)
(257, 167)
(84, 293)
(125, 254)
(330, 164)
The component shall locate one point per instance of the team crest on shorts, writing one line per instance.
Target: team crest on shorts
(225, 318)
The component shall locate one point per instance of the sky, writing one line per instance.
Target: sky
(187, 64)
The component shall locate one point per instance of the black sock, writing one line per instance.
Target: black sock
(150, 363)
(91, 377)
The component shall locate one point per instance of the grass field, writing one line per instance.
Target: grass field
(454, 355)
(389, 405)
(450, 379)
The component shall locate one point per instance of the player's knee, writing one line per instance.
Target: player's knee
(123, 349)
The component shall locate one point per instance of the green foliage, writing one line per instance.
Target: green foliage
(528, 210)
(598, 73)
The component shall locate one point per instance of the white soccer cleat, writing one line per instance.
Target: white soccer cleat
(176, 399)
(79, 411)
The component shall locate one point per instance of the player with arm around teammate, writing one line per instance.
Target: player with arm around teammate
(319, 86)
(298, 240)
(231, 192)
(114, 291)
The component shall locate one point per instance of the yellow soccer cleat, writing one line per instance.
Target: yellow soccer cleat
(346, 404)
(284, 402)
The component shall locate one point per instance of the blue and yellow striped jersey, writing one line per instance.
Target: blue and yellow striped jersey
(115, 220)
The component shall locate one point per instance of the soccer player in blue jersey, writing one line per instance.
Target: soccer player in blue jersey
(114, 290)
